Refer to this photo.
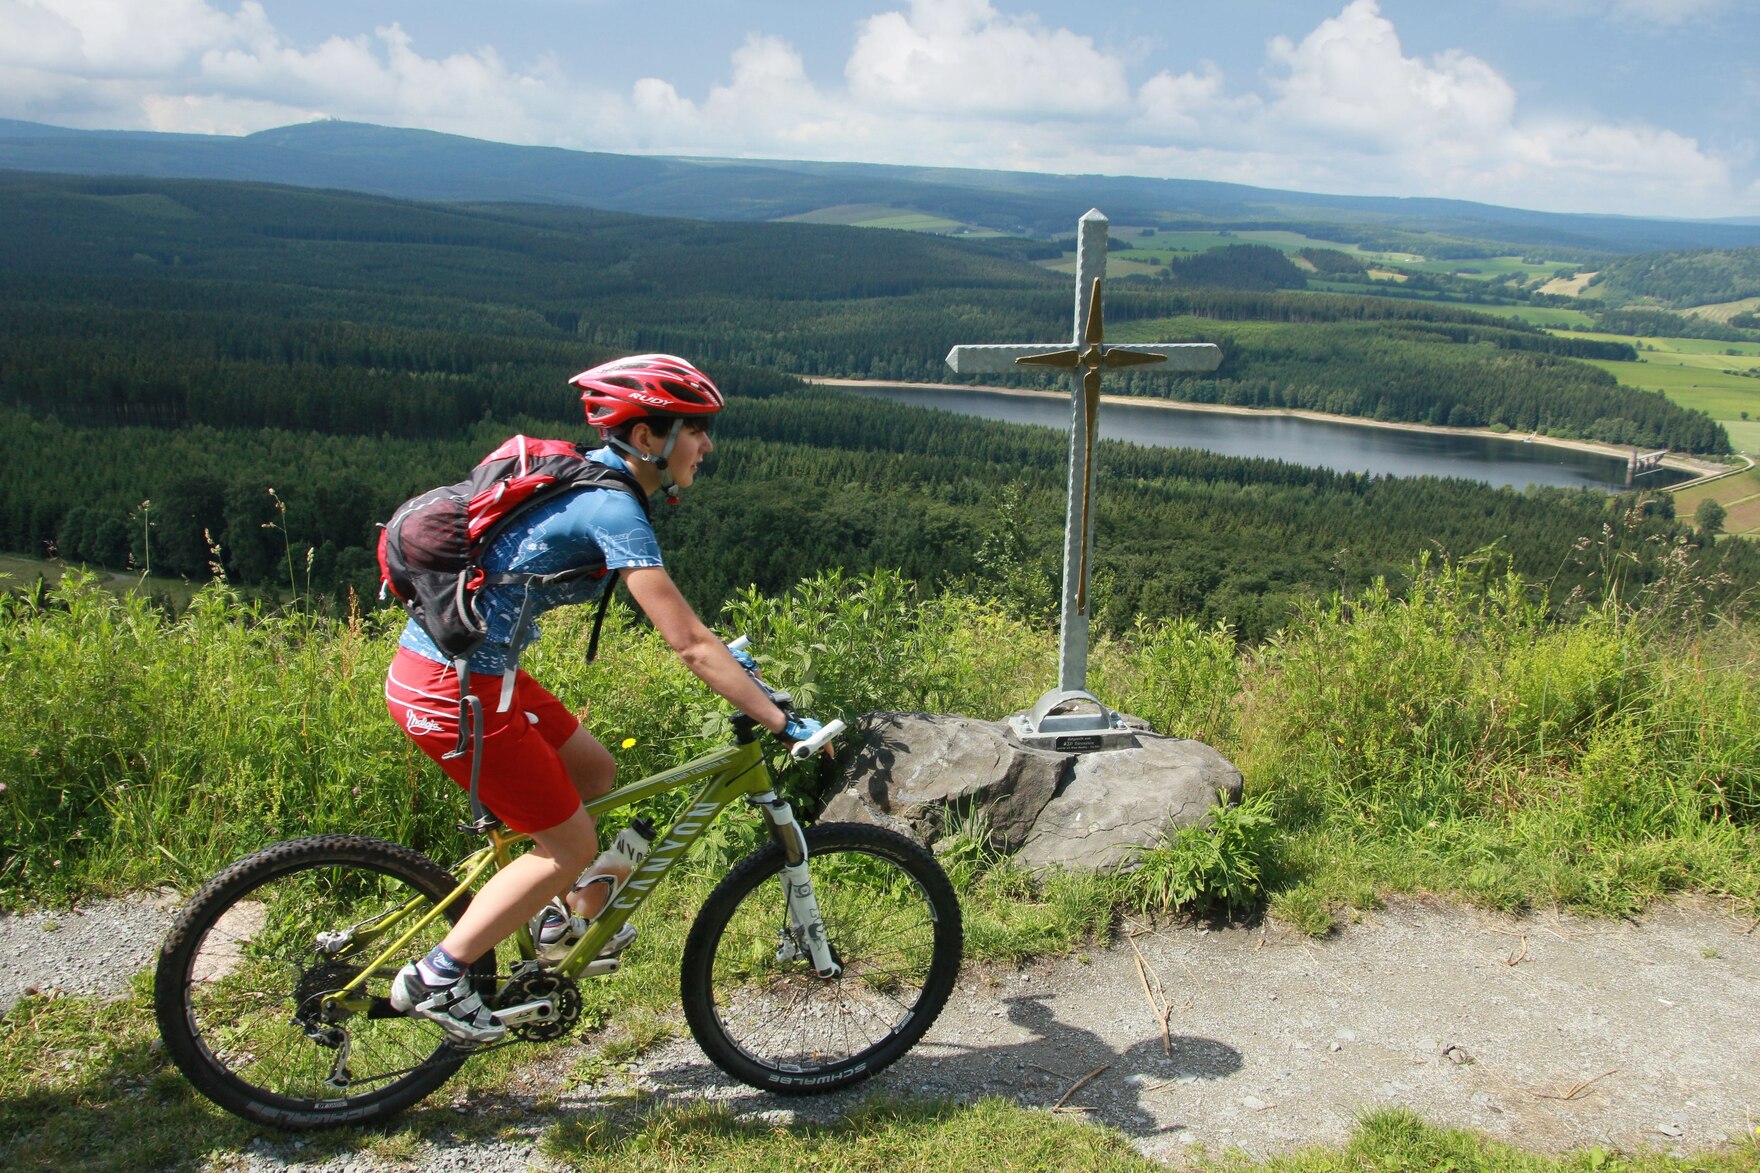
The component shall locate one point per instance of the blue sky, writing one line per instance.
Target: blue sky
(1643, 107)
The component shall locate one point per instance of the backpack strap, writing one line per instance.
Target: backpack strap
(593, 475)
(470, 740)
(599, 620)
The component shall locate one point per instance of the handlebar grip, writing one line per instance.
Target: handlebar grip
(800, 751)
(739, 644)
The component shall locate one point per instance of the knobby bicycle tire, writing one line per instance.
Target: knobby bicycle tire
(240, 975)
(753, 1001)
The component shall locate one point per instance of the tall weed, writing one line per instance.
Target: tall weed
(1183, 679)
(1212, 866)
(1461, 739)
(1458, 738)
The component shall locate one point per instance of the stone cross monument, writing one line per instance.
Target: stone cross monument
(1069, 717)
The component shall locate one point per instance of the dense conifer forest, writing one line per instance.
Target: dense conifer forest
(197, 375)
(1678, 279)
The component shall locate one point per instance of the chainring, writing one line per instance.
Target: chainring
(532, 984)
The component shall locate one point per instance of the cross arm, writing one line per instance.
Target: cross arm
(996, 359)
(992, 360)
(1180, 356)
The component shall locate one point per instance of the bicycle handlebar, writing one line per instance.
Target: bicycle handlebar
(800, 750)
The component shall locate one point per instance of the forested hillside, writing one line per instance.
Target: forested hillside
(1680, 279)
(201, 374)
(419, 164)
(161, 302)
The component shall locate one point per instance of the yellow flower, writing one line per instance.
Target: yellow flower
(629, 743)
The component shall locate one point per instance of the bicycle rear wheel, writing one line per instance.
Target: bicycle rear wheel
(752, 998)
(242, 977)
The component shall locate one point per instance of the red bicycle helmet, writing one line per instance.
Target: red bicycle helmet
(645, 386)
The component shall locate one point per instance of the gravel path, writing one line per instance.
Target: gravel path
(1551, 1032)
(88, 949)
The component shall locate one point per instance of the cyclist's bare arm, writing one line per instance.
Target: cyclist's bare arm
(701, 649)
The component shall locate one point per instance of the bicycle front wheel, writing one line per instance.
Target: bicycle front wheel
(752, 998)
(246, 978)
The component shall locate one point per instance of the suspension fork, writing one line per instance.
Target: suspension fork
(807, 925)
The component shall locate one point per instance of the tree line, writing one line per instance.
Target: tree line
(206, 377)
(844, 481)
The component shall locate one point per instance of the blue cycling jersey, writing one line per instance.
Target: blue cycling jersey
(588, 527)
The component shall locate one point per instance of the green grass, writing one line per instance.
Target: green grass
(1696, 373)
(1544, 316)
(82, 1086)
(1739, 495)
(1723, 311)
(882, 216)
(990, 1134)
(1456, 739)
(996, 1134)
(1161, 246)
(1459, 739)
(1744, 435)
(1721, 396)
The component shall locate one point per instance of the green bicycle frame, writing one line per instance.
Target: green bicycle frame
(726, 774)
(729, 773)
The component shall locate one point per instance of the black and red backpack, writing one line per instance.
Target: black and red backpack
(430, 551)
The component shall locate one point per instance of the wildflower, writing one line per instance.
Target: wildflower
(629, 743)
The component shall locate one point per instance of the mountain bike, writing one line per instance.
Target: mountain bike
(817, 961)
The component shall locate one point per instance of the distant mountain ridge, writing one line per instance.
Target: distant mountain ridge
(427, 165)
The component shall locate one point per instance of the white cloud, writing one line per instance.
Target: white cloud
(963, 57)
(118, 38)
(1194, 106)
(1349, 78)
(1341, 108)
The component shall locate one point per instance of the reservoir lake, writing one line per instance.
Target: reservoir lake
(1339, 446)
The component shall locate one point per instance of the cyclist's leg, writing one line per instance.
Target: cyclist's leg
(535, 761)
(438, 987)
(591, 769)
(589, 764)
(515, 894)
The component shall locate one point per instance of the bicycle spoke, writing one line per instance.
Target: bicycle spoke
(251, 1004)
(778, 1024)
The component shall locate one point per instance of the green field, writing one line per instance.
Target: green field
(881, 216)
(1544, 316)
(1723, 311)
(18, 571)
(1160, 247)
(1163, 246)
(1739, 495)
(1697, 373)
(1703, 374)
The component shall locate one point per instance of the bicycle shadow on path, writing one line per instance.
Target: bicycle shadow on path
(1551, 1031)
(988, 1042)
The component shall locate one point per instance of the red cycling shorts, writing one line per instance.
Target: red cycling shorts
(523, 780)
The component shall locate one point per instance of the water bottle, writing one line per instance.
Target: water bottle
(599, 883)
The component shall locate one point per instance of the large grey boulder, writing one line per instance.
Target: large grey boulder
(923, 773)
(1120, 800)
(919, 773)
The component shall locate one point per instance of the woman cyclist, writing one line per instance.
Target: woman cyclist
(537, 763)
